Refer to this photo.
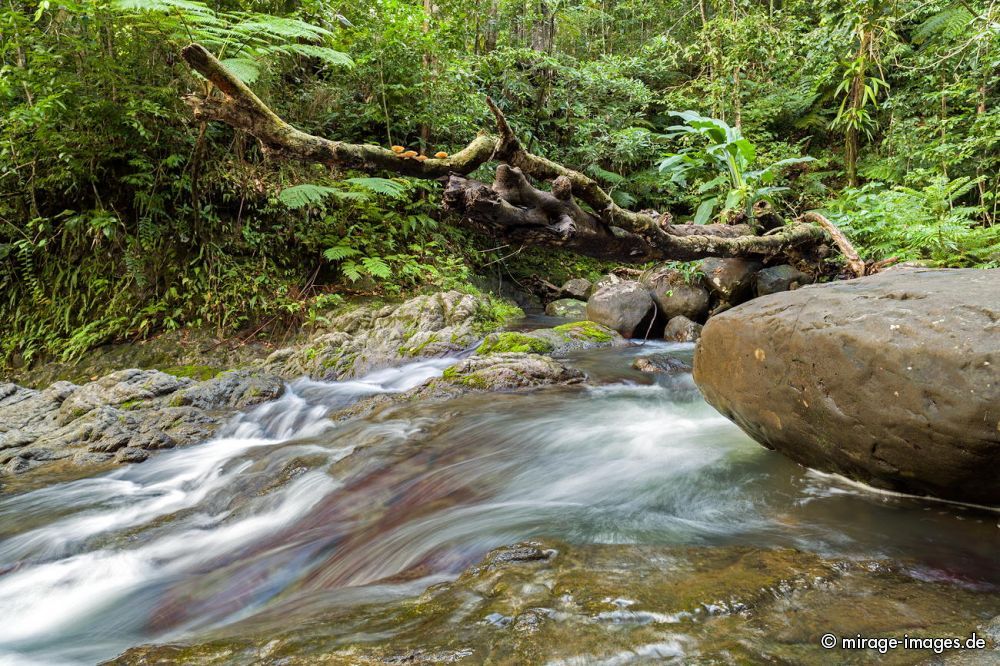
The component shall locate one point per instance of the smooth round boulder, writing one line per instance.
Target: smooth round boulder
(625, 307)
(602, 282)
(567, 307)
(774, 279)
(730, 280)
(892, 380)
(677, 295)
(682, 329)
(577, 288)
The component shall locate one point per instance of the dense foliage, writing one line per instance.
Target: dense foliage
(119, 216)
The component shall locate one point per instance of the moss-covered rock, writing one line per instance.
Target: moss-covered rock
(376, 336)
(513, 342)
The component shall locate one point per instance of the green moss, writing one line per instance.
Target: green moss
(198, 372)
(475, 381)
(499, 343)
(494, 314)
(450, 373)
(415, 351)
(131, 404)
(584, 329)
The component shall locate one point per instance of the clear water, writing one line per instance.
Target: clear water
(285, 511)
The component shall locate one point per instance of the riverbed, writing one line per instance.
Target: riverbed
(287, 513)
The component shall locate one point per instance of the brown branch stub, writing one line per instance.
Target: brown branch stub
(854, 261)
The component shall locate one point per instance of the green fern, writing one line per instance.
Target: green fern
(307, 194)
(384, 186)
(245, 41)
(947, 24)
(340, 252)
(376, 267)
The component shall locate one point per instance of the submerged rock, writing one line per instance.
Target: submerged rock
(550, 602)
(893, 379)
(625, 307)
(567, 307)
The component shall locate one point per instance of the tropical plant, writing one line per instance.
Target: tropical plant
(927, 223)
(244, 41)
(718, 167)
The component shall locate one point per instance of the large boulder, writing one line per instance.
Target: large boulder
(730, 280)
(677, 294)
(893, 379)
(625, 307)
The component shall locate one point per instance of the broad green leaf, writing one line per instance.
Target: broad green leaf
(705, 210)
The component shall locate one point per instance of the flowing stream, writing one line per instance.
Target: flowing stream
(286, 511)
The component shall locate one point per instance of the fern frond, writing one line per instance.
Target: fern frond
(300, 196)
(327, 55)
(245, 69)
(384, 186)
(947, 24)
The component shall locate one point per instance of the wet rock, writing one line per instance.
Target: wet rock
(676, 294)
(730, 280)
(368, 338)
(578, 336)
(551, 602)
(135, 411)
(893, 379)
(661, 364)
(774, 279)
(514, 341)
(237, 389)
(682, 329)
(26, 413)
(507, 371)
(558, 341)
(500, 371)
(605, 281)
(577, 288)
(567, 307)
(131, 454)
(625, 307)
(126, 388)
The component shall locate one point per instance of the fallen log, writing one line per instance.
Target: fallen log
(575, 214)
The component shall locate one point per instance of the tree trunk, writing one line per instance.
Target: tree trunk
(576, 214)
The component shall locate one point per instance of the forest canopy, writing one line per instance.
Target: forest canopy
(122, 215)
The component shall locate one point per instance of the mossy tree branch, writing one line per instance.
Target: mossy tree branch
(511, 207)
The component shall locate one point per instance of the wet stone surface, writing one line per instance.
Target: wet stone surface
(549, 602)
